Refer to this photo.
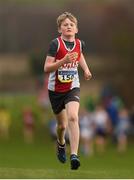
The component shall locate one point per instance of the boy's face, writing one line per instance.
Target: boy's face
(68, 28)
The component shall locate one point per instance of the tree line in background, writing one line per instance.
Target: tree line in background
(106, 27)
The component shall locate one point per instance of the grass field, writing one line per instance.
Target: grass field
(38, 160)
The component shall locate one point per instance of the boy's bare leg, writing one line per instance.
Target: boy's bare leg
(72, 109)
(61, 126)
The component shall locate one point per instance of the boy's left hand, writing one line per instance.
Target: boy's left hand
(87, 74)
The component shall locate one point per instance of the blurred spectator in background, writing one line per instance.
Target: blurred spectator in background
(87, 132)
(121, 129)
(112, 111)
(132, 121)
(102, 127)
(113, 107)
(28, 121)
(52, 128)
(43, 93)
(111, 102)
(5, 122)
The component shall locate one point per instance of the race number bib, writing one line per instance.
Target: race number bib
(66, 76)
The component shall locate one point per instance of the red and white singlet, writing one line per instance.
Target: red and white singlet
(66, 77)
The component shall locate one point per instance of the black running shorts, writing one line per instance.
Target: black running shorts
(58, 100)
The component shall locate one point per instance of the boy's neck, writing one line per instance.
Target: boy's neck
(69, 38)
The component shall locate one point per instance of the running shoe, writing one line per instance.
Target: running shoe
(75, 162)
(61, 152)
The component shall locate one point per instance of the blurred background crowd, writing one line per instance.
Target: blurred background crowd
(107, 101)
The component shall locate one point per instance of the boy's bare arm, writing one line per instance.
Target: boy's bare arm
(84, 66)
(52, 65)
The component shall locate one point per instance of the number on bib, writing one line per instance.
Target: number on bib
(66, 76)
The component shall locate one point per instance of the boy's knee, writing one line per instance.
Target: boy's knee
(62, 127)
(73, 118)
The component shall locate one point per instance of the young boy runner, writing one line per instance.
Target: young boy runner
(64, 55)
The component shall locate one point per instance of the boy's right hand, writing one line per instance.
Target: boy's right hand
(70, 57)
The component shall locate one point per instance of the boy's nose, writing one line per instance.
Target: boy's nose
(69, 26)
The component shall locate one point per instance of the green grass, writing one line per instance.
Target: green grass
(38, 160)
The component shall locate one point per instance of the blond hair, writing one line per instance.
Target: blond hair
(65, 15)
